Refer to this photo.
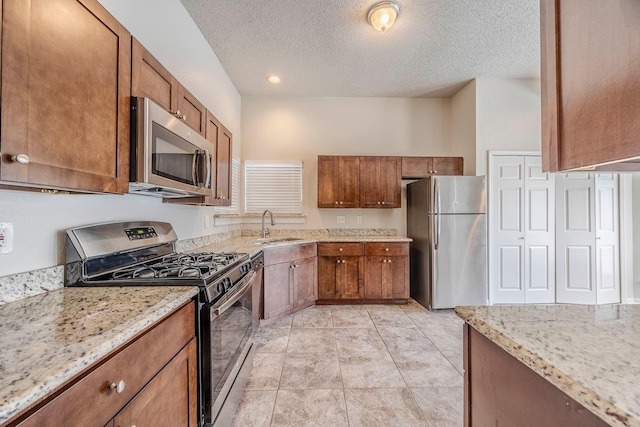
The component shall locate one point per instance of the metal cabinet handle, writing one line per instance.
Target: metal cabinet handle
(384, 203)
(386, 249)
(23, 159)
(338, 261)
(119, 387)
(378, 202)
(337, 202)
(389, 261)
(340, 202)
(340, 249)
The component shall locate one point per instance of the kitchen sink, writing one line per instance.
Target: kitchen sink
(267, 240)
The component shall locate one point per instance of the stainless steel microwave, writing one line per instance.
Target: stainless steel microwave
(168, 158)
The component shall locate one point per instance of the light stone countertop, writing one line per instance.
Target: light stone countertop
(244, 244)
(591, 353)
(49, 338)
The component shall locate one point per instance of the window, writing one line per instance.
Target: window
(276, 186)
(235, 172)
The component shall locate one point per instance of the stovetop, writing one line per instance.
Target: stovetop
(143, 254)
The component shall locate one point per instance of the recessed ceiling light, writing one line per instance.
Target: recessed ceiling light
(273, 79)
(383, 15)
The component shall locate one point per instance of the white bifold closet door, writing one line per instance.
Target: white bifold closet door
(588, 263)
(522, 234)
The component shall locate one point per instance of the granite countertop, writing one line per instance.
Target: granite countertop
(49, 338)
(591, 353)
(245, 245)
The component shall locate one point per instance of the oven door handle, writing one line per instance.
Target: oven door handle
(242, 288)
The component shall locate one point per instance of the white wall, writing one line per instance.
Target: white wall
(166, 29)
(303, 128)
(463, 126)
(508, 117)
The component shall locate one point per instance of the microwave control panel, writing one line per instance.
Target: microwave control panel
(140, 233)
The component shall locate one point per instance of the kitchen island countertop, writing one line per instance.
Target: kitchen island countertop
(591, 353)
(49, 338)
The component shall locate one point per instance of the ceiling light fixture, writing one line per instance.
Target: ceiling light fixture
(273, 79)
(383, 15)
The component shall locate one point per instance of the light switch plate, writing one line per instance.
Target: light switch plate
(6, 237)
(359, 219)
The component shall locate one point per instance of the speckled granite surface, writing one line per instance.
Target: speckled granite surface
(22, 285)
(592, 353)
(48, 338)
(246, 244)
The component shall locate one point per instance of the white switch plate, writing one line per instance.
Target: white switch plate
(6, 237)
(207, 221)
(359, 219)
(340, 219)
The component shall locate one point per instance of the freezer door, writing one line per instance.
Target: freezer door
(457, 194)
(458, 261)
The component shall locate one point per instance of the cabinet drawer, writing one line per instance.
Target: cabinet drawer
(386, 249)
(90, 402)
(289, 253)
(340, 249)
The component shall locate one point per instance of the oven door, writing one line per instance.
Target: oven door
(227, 352)
(167, 154)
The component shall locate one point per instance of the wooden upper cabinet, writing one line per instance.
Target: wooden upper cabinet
(422, 167)
(590, 83)
(338, 182)
(380, 182)
(66, 79)
(150, 79)
(222, 190)
(191, 111)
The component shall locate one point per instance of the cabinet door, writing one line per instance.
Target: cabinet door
(149, 79)
(328, 277)
(223, 167)
(447, 166)
(191, 110)
(590, 91)
(169, 399)
(278, 292)
(374, 287)
(370, 182)
(338, 182)
(396, 277)
(305, 285)
(390, 179)
(350, 277)
(65, 96)
(416, 167)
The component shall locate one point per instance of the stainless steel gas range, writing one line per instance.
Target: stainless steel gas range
(143, 254)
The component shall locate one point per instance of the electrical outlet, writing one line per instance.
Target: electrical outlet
(6, 237)
(359, 219)
(207, 221)
(340, 219)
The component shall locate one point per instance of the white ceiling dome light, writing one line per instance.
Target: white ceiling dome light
(383, 15)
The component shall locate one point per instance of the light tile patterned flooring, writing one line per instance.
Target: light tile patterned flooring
(357, 365)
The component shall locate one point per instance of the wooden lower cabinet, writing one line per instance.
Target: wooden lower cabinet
(157, 377)
(169, 399)
(357, 272)
(340, 271)
(499, 390)
(290, 280)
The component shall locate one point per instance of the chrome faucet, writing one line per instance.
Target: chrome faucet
(265, 231)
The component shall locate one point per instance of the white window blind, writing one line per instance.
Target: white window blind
(276, 186)
(235, 172)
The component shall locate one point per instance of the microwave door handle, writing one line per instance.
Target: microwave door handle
(208, 173)
(193, 169)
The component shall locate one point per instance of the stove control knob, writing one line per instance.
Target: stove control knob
(220, 288)
(227, 284)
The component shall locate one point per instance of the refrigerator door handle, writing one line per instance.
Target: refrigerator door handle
(436, 192)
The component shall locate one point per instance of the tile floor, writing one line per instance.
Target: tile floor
(357, 365)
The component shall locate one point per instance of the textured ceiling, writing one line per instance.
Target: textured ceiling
(327, 48)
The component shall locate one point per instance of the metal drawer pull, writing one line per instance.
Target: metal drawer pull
(386, 249)
(118, 388)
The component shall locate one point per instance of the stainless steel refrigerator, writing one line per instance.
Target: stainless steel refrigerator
(446, 218)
